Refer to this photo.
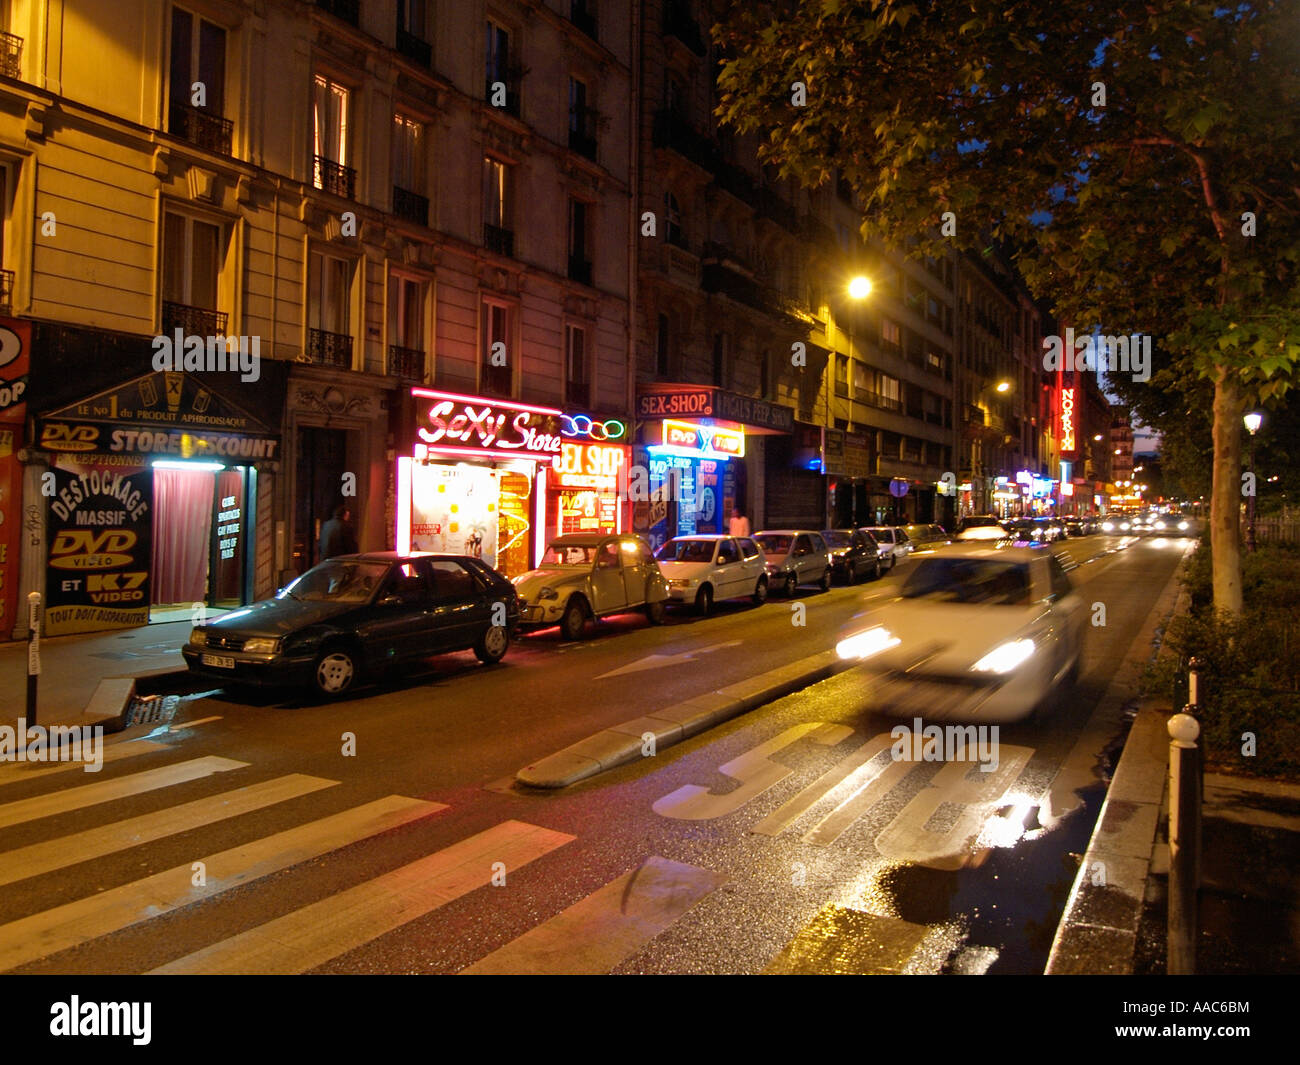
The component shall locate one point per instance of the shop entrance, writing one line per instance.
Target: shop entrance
(322, 461)
(201, 521)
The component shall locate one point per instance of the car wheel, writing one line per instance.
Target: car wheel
(493, 644)
(654, 612)
(875, 575)
(704, 601)
(574, 620)
(791, 584)
(825, 582)
(760, 591)
(336, 671)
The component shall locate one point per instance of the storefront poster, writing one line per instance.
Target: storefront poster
(15, 345)
(100, 528)
(454, 510)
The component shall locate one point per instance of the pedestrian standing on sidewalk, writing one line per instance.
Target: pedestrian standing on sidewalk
(337, 536)
(739, 523)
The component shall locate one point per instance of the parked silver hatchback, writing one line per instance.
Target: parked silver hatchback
(795, 557)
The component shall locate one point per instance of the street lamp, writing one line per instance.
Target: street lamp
(1004, 386)
(1253, 421)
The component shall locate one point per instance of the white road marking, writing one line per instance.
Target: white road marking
(15, 772)
(658, 661)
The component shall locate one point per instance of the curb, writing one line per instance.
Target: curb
(1098, 930)
(623, 743)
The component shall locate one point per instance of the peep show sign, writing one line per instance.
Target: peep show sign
(100, 527)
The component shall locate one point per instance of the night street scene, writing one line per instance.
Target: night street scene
(712, 487)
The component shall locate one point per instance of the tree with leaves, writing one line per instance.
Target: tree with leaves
(1140, 158)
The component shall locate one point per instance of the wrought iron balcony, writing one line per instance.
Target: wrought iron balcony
(499, 240)
(201, 127)
(512, 78)
(11, 55)
(6, 291)
(329, 349)
(580, 269)
(583, 19)
(330, 176)
(410, 206)
(414, 48)
(193, 321)
(497, 380)
(347, 10)
(582, 134)
(406, 363)
(679, 23)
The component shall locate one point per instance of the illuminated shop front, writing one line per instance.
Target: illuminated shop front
(690, 477)
(586, 485)
(472, 477)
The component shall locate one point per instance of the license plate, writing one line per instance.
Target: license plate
(221, 661)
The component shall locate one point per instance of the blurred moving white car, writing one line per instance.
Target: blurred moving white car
(978, 632)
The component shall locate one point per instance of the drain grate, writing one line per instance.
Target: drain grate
(152, 710)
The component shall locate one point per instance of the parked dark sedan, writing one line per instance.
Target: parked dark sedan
(854, 554)
(356, 615)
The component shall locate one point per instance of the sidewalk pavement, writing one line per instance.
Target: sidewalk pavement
(94, 673)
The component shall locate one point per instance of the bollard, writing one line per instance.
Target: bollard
(1184, 842)
(33, 653)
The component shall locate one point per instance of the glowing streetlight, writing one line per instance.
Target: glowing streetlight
(1253, 421)
(860, 288)
(1004, 386)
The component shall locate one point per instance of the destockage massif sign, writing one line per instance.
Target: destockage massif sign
(478, 426)
(100, 523)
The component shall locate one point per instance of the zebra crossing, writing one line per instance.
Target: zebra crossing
(594, 935)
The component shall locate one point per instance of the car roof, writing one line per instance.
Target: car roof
(389, 556)
(705, 536)
(589, 539)
(787, 532)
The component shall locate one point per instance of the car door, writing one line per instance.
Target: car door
(638, 567)
(608, 590)
(727, 572)
(753, 561)
(400, 626)
(801, 555)
(460, 610)
(821, 557)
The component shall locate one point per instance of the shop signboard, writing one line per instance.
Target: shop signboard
(713, 441)
(15, 359)
(476, 425)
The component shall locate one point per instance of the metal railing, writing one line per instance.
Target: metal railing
(333, 177)
(414, 48)
(347, 10)
(580, 269)
(582, 139)
(329, 349)
(193, 321)
(410, 206)
(202, 128)
(499, 240)
(406, 363)
(11, 55)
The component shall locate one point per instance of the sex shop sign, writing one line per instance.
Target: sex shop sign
(480, 425)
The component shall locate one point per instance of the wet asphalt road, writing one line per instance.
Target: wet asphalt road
(891, 885)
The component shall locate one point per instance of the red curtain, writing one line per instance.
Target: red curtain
(182, 532)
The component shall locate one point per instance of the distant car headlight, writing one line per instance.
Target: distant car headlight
(548, 593)
(198, 638)
(1125, 525)
(1160, 525)
(1182, 526)
(865, 644)
(1107, 526)
(262, 645)
(1005, 658)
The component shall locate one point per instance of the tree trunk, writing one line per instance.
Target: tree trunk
(1225, 492)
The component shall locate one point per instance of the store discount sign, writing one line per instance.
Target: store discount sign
(485, 426)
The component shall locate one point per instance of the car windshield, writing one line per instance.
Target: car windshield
(775, 545)
(569, 555)
(686, 551)
(969, 580)
(835, 538)
(337, 582)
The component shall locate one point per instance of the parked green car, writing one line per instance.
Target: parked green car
(591, 575)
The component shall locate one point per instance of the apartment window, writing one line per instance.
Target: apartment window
(863, 379)
(406, 327)
(329, 295)
(719, 359)
(498, 234)
(497, 359)
(673, 219)
(196, 82)
(912, 449)
(331, 145)
(841, 375)
(6, 276)
(192, 262)
(411, 39)
(582, 13)
(409, 201)
(577, 374)
(582, 125)
(502, 89)
(890, 335)
(662, 347)
(890, 391)
(579, 241)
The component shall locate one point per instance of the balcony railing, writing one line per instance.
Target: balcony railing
(875, 399)
(6, 291)
(202, 128)
(410, 206)
(497, 380)
(414, 48)
(678, 23)
(406, 363)
(512, 79)
(11, 55)
(335, 178)
(673, 131)
(329, 349)
(496, 239)
(348, 10)
(193, 321)
(582, 134)
(580, 269)
(583, 19)
(577, 394)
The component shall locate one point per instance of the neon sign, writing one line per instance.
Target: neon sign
(712, 441)
(1067, 419)
(488, 426)
(589, 465)
(583, 426)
